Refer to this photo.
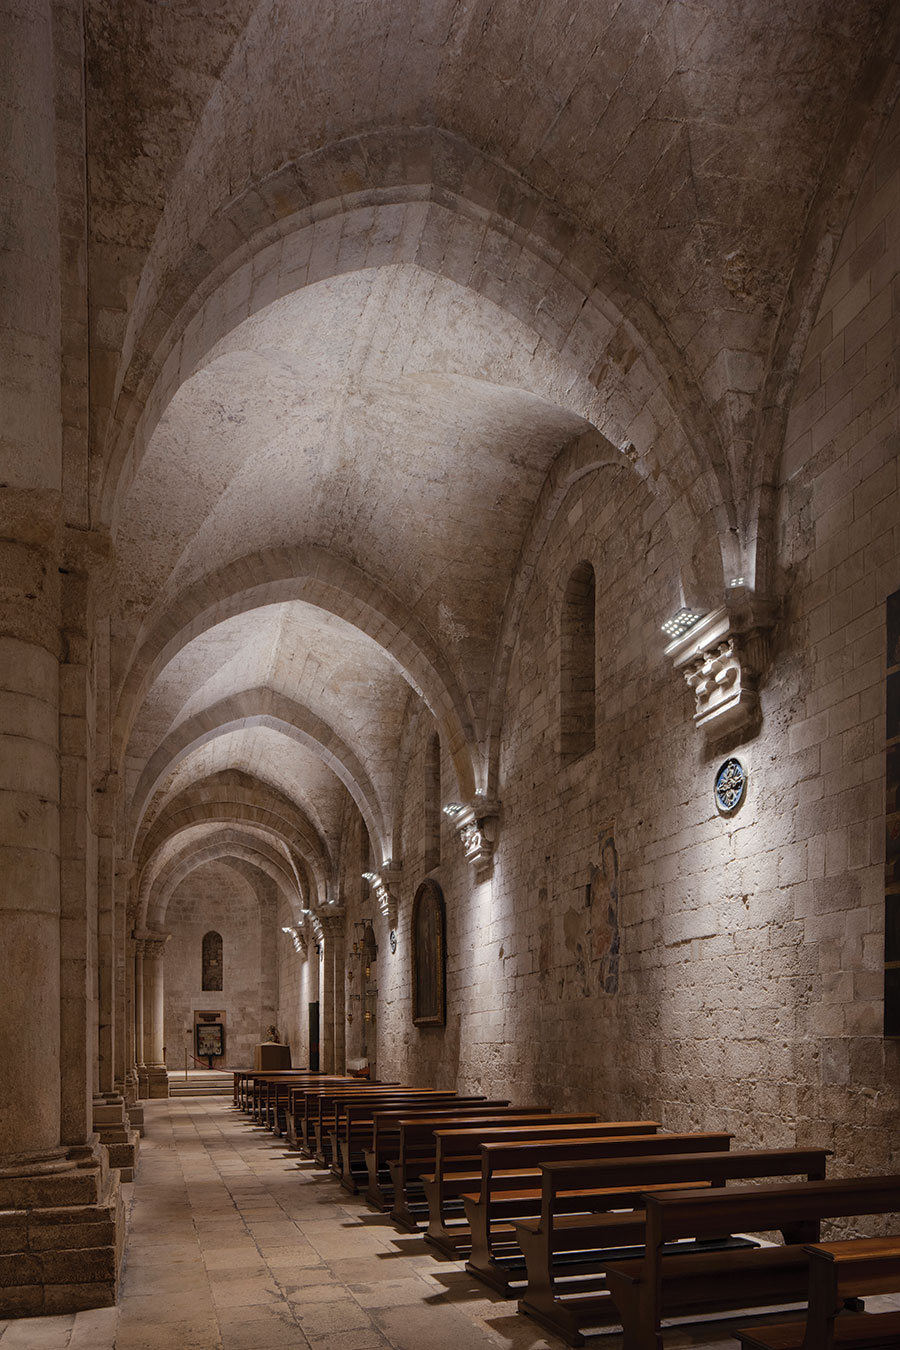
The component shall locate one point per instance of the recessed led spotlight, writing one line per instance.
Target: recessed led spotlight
(681, 623)
(735, 582)
(453, 809)
(371, 877)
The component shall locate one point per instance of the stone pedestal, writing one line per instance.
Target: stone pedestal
(154, 945)
(135, 1114)
(62, 1228)
(115, 1131)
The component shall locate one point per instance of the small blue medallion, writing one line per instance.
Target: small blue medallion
(731, 785)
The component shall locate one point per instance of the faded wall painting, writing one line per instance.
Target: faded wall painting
(603, 899)
(429, 957)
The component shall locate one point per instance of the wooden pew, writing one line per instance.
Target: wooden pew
(356, 1115)
(560, 1243)
(305, 1108)
(534, 1183)
(458, 1152)
(275, 1094)
(259, 1083)
(356, 1127)
(839, 1273)
(663, 1284)
(419, 1156)
(325, 1104)
(403, 1142)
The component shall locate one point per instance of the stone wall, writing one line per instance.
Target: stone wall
(634, 951)
(218, 897)
(293, 989)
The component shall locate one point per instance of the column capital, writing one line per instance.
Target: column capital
(723, 656)
(151, 944)
(332, 922)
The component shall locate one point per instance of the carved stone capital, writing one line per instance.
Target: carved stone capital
(153, 945)
(477, 826)
(332, 922)
(723, 659)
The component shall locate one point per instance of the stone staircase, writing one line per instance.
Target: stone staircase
(201, 1083)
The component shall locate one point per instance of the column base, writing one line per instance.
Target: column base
(116, 1133)
(157, 1081)
(143, 1085)
(62, 1231)
(135, 1114)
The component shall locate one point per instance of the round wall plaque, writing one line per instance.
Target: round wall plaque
(731, 784)
(393, 940)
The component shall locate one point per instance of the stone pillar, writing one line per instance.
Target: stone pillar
(326, 1005)
(47, 1266)
(154, 1014)
(139, 1062)
(332, 1004)
(338, 947)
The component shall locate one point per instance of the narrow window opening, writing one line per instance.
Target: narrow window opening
(577, 721)
(212, 961)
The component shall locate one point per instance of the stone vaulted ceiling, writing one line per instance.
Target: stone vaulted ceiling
(370, 272)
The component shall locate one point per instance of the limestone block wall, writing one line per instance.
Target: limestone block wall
(428, 1055)
(293, 989)
(217, 896)
(635, 951)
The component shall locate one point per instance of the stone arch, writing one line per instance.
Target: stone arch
(255, 849)
(265, 707)
(319, 578)
(563, 281)
(585, 455)
(868, 109)
(222, 800)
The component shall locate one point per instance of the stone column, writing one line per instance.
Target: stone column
(331, 999)
(139, 1062)
(154, 1014)
(326, 1004)
(338, 951)
(47, 1267)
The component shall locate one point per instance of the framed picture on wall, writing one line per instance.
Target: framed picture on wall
(210, 1039)
(429, 957)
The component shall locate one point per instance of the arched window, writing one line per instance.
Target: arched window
(212, 961)
(432, 804)
(577, 680)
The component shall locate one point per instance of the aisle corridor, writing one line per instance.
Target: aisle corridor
(235, 1244)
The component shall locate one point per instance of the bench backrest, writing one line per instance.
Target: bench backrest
(753, 1209)
(716, 1168)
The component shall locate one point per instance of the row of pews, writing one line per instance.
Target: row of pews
(593, 1223)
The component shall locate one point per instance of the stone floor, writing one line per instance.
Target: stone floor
(234, 1245)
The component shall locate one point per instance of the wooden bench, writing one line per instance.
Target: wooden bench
(665, 1284)
(305, 1106)
(403, 1142)
(535, 1183)
(356, 1129)
(326, 1104)
(353, 1123)
(276, 1094)
(839, 1272)
(561, 1245)
(420, 1153)
(458, 1155)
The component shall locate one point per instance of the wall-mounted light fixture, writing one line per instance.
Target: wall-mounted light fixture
(382, 894)
(681, 622)
(296, 936)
